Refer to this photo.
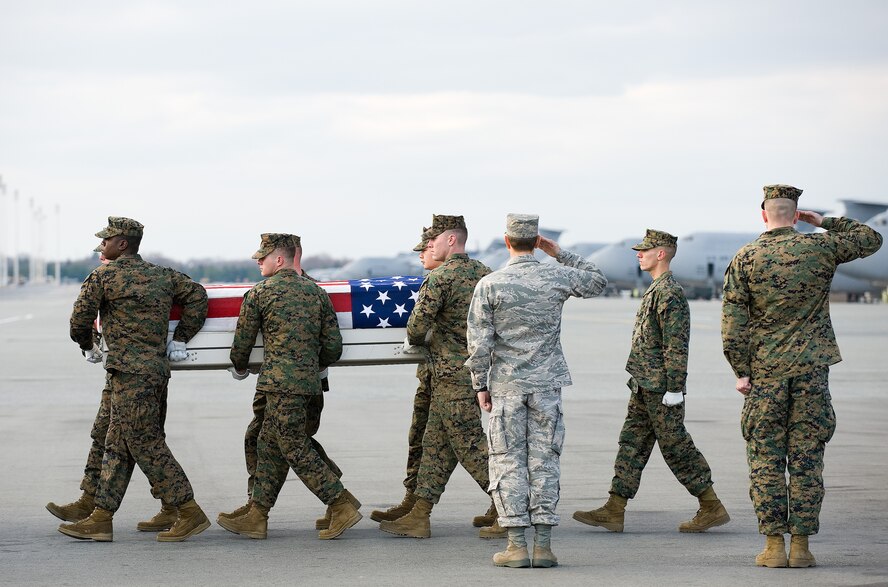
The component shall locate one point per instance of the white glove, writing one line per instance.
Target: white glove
(93, 355)
(673, 398)
(410, 349)
(237, 374)
(176, 351)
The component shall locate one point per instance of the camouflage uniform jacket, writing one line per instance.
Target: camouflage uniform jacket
(134, 299)
(441, 307)
(775, 310)
(299, 331)
(514, 323)
(659, 357)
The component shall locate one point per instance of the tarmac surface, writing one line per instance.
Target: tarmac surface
(49, 396)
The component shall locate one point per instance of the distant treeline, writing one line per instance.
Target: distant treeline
(202, 270)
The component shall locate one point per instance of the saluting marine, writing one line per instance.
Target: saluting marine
(658, 365)
(134, 299)
(778, 338)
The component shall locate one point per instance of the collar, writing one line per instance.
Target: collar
(783, 230)
(528, 258)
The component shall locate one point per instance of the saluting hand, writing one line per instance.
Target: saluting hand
(548, 246)
(811, 217)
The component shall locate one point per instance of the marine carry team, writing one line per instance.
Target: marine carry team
(492, 342)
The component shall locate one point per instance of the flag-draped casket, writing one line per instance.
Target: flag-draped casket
(372, 315)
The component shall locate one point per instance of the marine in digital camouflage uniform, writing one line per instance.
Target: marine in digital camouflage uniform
(301, 337)
(314, 408)
(421, 403)
(778, 338)
(658, 367)
(134, 299)
(453, 432)
(518, 369)
(89, 485)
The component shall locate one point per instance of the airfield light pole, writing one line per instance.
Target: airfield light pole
(31, 230)
(58, 255)
(4, 226)
(15, 232)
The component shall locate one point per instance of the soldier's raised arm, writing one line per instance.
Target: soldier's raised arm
(86, 308)
(192, 297)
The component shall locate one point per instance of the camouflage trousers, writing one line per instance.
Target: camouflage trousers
(136, 437)
(786, 425)
(421, 402)
(647, 422)
(93, 469)
(284, 444)
(313, 408)
(525, 434)
(453, 435)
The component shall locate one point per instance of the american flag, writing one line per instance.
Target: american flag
(383, 302)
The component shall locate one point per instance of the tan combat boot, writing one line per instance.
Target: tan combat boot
(343, 515)
(236, 513)
(74, 511)
(609, 516)
(486, 519)
(513, 556)
(162, 520)
(799, 555)
(97, 526)
(395, 512)
(190, 521)
(543, 558)
(774, 554)
(324, 523)
(414, 524)
(252, 524)
(711, 514)
(493, 531)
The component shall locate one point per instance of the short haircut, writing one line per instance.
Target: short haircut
(670, 252)
(461, 234)
(133, 243)
(524, 245)
(287, 252)
(781, 209)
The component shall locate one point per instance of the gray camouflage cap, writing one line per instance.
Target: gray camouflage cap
(781, 191)
(522, 225)
(120, 226)
(271, 241)
(441, 223)
(656, 238)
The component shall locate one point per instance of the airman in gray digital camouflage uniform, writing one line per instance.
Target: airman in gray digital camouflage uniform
(314, 407)
(453, 433)
(518, 370)
(778, 338)
(301, 337)
(658, 365)
(134, 299)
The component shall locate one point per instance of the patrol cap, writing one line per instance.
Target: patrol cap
(656, 238)
(522, 225)
(98, 249)
(781, 191)
(297, 240)
(440, 223)
(120, 226)
(271, 241)
(422, 243)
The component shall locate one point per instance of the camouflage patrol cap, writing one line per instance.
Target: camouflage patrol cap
(271, 241)
(297, 240)
(656, 238)
(440, 223)
(522, 225)
(98, 249)
(781, 191)
(424, 242)
(120, 226)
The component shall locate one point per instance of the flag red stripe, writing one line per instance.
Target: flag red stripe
(230, 307)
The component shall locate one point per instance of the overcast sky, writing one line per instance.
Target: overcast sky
(351, 122)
